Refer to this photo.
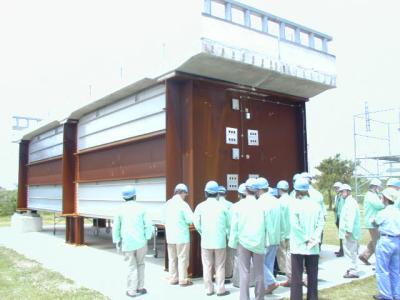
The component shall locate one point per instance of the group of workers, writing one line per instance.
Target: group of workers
(382, 219)
(264, 225)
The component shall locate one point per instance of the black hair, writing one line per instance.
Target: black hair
(209, 195)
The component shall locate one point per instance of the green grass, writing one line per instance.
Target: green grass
(21, 278)
(331, 236)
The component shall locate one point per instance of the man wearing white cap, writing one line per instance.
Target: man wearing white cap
(248, 233)
(372, 205)
(178, 218)
(388, 248)
(339, 202)
(131, 230)
(350, 230)
(211, 219)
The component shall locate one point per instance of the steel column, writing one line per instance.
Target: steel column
(22, 202)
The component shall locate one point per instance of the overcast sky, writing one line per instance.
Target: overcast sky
(52, 53)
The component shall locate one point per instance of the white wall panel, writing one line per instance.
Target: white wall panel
(46, 145)
(135, 115)
(102, 199)
(45, 197)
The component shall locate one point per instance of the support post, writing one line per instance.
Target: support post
(22, 202)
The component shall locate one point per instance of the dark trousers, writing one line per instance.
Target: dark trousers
(296, 285)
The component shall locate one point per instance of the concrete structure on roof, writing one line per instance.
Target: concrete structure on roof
(230, 104)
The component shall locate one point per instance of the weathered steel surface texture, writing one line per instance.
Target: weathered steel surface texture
(46, 172)
(23, 175)
(139, 159)
(69, 168)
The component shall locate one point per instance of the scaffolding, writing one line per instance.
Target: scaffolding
(376, 146)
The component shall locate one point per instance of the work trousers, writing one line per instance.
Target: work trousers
(269, 262)
(214, 259)
(244, 257)
(350, 250)
(135, 269)
(340, 240)
(178, 262)
(296, 285)
(372, 243)
(283, 255)
(230, 257)
(387, 267)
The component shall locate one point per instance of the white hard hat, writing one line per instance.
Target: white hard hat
(262, 183)
(337, 184)
(302, 184)
(282, 185)
(390, 194)
(251, 184)
(345, 186)
(211, 187)
(242, 189)
(375, 181)
(181, 187)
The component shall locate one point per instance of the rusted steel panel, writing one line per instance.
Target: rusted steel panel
(69, 167)
(23, 174)
(46, 172)
(139, 159)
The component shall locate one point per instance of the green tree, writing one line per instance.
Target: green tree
(334, 169)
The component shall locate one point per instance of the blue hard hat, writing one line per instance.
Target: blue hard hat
(242, 189)
(221, 189)
(262, 183)
(282, 185)
(393, 182)
(128, 192)
(301, 184)
(181, 187)
(251, 184)
(296, 176)
(211, 187)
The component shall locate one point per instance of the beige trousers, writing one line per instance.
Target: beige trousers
(135, 266)
(178, 262)
(230, 257)
(372, 243)
(214, 259)
(350, 250)
(283, 256)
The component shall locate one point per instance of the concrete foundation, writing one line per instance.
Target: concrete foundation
(26, 222)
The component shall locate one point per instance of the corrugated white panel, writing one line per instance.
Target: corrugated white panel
(135, 115)
(46, 145)
(101, 199)
(45, 197)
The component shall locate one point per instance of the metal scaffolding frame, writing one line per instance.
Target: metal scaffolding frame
(376, 145)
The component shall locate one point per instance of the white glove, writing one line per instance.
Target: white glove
(118, 246)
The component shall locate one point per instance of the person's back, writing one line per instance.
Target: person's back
(372, 205)
(178, 217)
(248, 225)
(211, 220)
(133, 226)
(285, 201)
(272, 210)
(350, 219)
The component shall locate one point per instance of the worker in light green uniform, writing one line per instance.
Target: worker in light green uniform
(394, 183)
(339, 202)
(350, 230)
(211, 220)
(178, 216)
(306, 225)
(272, 211)
(131, 230)
(283, 253)
(248, 234)
(230, 253)
(372, 205)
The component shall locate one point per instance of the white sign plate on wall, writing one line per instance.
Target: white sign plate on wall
(231, 135)
(252, 137)
(232, 182)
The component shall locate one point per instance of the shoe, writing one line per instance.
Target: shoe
(349, 275)
(271, 288)
(285, 284)
(227, 281)
(364, 260)
(210, 294)
(223, 294)
(377, 297)
(131, 294)
(340, 254)
(187, 283)
(173, 282)
(141, 291)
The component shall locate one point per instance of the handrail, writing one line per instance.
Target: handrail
(266, 19)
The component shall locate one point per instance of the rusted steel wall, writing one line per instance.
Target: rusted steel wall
(45, 172)
(23, 175)
(198, 113)
(138, 159)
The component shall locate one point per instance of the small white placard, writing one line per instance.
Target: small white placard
(232, 182)
(231, 135)
(252, 137)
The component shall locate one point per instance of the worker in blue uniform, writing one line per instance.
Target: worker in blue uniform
(388, 248)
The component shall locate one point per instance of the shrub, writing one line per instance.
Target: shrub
(8, 202)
